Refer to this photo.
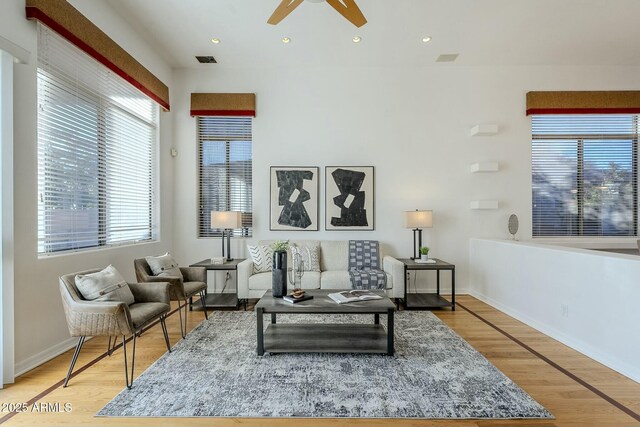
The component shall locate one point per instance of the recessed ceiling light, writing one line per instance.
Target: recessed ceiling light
(357, 39)
(426, 39)
(286, 40)
(215, 40)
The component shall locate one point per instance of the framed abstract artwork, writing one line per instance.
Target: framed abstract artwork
(294, 198)
(349, 198)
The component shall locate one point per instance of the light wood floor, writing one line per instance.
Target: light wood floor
(571, 402)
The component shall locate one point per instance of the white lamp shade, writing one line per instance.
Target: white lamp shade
(226, 219)
(418, 219)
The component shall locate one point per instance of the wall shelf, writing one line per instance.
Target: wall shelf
(484, 130)
(484, 167)
(484, 204)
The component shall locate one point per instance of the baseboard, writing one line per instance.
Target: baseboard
(581, 347)
(44, 356)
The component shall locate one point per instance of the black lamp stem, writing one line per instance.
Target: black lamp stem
(417, 231)
(229, 245)
(222, 243)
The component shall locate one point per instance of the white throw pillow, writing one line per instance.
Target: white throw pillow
(262, 257)
(310, 255)
(164, 266)
(105, 285)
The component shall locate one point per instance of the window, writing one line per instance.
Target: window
(224, 158)
(585, 175)
(96, 152)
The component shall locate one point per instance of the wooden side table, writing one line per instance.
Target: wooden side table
(430, 299)
(221, 300)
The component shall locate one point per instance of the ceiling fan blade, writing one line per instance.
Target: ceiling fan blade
(283, 10)
(350, 10)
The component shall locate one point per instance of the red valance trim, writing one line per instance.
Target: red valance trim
(540, 111)
(238, 113)
(35, 13)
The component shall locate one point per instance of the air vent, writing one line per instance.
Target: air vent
(447, 57)
(206, 59)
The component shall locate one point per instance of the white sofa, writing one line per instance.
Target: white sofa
(333, 273)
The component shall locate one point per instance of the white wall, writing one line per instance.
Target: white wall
(40, 327)
(585, 299)
(412, 124)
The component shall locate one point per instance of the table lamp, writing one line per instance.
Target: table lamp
(227, 221)
(418, 220)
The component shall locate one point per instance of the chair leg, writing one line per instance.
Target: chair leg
(133, 360)
(182, 328)
(74, 359)
(204, 307)
(186, 311)
(164, 332)
(112, 348)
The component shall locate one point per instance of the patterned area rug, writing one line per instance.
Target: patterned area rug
(215, 372)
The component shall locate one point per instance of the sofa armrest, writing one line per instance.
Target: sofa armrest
(245, 270)
(396, 269)
(150, 292)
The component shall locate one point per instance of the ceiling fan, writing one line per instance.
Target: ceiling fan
(346, 8)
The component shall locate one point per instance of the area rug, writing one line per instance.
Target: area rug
(215, 372)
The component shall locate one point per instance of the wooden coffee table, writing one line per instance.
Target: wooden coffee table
(325, 337)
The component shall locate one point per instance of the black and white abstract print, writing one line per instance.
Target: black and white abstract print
(294, 198)
(349, 198)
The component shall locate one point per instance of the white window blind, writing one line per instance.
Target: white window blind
(96, 152)
(225, 173)
(585, 175)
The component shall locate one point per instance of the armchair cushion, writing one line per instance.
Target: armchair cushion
(164, 266)
(143, 313)
(192, 288)
(104, 285)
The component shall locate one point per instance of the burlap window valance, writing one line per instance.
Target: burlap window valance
(223, 104)
(67, 21)
(583, 102)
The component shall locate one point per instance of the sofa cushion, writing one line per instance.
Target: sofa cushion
(164, 266)
(262, 257)
(342, 280)
(105, 285)
(259, 281)
(334, 255)
(310, 255)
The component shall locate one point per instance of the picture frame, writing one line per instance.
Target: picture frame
(294, 202)
(349, 198)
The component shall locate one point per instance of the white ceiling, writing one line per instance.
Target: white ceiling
(483, 32)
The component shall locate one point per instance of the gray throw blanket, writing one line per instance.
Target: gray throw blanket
(364, 265)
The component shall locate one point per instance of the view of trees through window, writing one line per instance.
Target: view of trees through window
(584, 175)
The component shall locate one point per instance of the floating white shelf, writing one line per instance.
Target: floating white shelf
(484, 130)
(484, 204)
(484, 167)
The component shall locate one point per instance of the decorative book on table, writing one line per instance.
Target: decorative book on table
(293, 300)
(353, 296)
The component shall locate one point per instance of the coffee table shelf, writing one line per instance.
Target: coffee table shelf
(325, 338)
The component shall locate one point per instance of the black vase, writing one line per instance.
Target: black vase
(279, 274)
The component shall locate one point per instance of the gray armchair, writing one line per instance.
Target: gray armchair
(194, 283)
(113, 318)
